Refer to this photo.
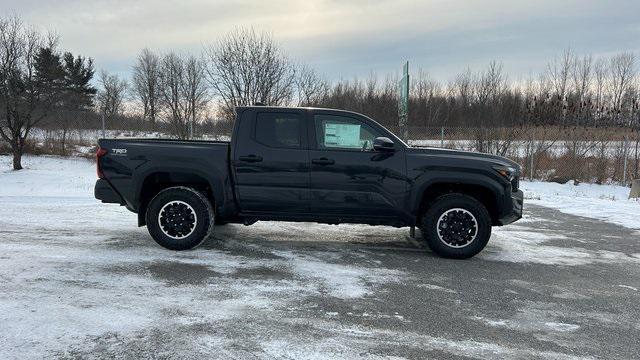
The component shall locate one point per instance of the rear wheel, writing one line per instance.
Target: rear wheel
(180, 218)
(456, 226)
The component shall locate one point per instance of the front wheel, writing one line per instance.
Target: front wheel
(180, 218)
(456, 226)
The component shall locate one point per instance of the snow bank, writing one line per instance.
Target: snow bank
(48, 176)
(603, 202)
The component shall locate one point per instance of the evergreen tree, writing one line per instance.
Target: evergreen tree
(49, 75)
(78, 73)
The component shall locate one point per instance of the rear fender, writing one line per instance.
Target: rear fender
(213, 179)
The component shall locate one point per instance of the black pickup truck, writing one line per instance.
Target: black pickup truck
(308, 164)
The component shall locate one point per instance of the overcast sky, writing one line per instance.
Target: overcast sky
(342, 38)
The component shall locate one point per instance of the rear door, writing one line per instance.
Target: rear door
(271, 162)
(348, 177)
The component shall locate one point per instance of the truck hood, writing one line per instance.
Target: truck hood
(465, 155)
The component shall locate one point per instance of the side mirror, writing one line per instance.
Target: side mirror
(383, 144)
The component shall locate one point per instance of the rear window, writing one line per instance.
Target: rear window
(279, 130)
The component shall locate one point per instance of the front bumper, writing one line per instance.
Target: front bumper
(517, 200)
(105, 193)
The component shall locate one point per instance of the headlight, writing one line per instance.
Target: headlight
(508, 172)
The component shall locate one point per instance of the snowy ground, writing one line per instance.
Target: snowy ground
(78, 279)
(610, 203)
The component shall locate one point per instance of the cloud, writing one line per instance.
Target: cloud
(345, 38)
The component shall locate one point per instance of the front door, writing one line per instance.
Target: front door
(348, 177)
(271, 162)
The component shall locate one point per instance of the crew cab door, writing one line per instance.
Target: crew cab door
(271, 162)
(348, 177)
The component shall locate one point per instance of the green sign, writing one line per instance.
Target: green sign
(403, 102)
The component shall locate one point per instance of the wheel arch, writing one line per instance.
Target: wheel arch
(156, 181)
(486, 192)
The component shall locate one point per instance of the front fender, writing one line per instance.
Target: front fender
(439, 176)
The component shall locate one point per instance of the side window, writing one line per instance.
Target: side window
(279, 130)
(341, 132)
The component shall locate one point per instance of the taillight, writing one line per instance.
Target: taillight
(100, 153)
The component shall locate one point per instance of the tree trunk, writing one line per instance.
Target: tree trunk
(17, 158)
(64, 140)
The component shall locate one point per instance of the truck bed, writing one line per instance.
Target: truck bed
(135, 166)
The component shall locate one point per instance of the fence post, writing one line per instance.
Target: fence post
(442, 136)
(624, 166)
(103, 127)
(531, 166)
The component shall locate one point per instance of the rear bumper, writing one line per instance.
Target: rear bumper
(105, 193)
(517, 200)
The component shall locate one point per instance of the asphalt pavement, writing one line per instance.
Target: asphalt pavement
(552, 286)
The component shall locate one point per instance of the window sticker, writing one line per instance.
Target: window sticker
(342, 135)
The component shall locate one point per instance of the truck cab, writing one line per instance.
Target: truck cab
(324, 165)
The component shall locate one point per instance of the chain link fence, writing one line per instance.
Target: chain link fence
(560, 154)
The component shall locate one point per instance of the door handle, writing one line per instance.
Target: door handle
(250, 158)
(323, 161)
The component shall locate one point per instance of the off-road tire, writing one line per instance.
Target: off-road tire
(446, 203)
(196, 203)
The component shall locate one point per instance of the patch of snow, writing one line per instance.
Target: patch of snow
(350, 342)
(522, 244)
(562, 327)
(628, 287)
(437, 287)
(529, 322)
(339, 280)
(603, 202)
(528, 247)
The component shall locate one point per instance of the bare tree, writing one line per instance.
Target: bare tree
(25, 97)
(581, 76)
(183, 92)
(463, 87)
(559, 72)
(111, 95)
(145, 84)
(491, 83)
(195, 89)
(425, 92)
(246, 68)
(601, 74)
(172, 95)
(310, 86)
(622, 74)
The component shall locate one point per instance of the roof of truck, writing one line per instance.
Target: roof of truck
(296, 108)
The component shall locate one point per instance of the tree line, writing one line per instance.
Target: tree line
(43, 86)
(572, 91)
(246, 67)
